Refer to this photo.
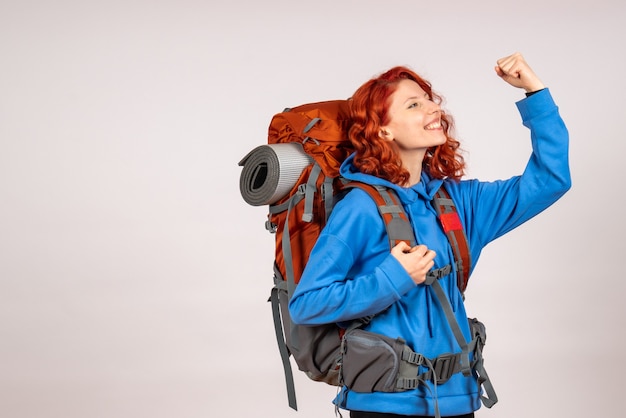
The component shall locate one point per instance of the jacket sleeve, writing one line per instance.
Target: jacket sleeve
(333, 286)
(495, 208)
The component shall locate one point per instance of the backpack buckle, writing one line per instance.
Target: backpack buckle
(271, 226)
(437, 274)
(443, 367)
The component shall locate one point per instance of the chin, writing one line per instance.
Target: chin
(441, 141)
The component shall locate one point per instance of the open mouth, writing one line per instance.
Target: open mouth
(432, 126)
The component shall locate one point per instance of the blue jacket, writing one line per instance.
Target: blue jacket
(351, 273)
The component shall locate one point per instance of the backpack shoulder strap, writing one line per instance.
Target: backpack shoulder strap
(396, 220)
(399, 227)
(451, 223)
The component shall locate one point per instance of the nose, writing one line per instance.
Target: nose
(434, 107)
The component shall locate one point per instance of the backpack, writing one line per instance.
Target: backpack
(297, 175)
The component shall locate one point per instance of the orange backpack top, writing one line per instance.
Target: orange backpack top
(321, 129)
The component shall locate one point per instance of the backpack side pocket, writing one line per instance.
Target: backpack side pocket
(370, 361)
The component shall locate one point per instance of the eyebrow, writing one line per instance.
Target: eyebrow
(426, 96)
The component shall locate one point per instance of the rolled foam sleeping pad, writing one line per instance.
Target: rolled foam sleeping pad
(271, 171)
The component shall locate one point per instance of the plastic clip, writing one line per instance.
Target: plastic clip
(443, 367)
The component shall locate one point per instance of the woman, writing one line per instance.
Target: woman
(402, 141)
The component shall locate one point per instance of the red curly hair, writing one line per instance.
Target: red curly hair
(369, 107)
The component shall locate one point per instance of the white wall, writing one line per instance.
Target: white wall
(134, 278)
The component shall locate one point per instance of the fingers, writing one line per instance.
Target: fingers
(428, 259)
(512, 64)
(417, 261)
(400, 248)
(499, 71)
(423, 252)
(510, 68)
(515, 70)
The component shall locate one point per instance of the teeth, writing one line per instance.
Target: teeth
(435, 125)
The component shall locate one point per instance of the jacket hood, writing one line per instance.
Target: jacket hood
(426, 188)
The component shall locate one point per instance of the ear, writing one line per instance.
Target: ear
(385, 133)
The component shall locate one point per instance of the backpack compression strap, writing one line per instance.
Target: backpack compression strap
(280, 338)
(451, 223)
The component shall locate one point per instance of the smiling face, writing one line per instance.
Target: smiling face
(414, 120)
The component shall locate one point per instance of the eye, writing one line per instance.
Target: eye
(414, 105)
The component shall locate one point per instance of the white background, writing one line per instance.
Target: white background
(133, 276)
